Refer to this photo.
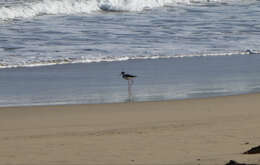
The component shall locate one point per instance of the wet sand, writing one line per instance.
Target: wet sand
(208, 131)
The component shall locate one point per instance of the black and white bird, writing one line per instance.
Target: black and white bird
(127, 76)
(130, 79)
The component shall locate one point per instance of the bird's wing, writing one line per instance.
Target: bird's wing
(129, 75)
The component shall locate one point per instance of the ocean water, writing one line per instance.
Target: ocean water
(72, 51)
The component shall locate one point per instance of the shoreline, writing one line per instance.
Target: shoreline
(155, 57)
(134, 102)
(208, 131)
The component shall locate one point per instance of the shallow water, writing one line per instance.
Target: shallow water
(158, 79)
(178, 48)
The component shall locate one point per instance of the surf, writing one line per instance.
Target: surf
(47, 7)
(97, 59)
(66, 7)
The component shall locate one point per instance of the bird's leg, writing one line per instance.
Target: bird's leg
(132, 82)
(129, 90)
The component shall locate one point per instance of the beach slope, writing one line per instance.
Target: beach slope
(208, 131)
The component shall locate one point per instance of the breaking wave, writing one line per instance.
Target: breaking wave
(54, 7)
(69, 60)
(47, 7)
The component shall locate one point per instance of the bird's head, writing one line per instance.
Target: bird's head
(122, 73)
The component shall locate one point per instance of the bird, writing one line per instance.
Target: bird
(127, 76)
(130, 80)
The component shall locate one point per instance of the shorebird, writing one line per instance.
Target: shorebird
(130, 78)
(127, 76)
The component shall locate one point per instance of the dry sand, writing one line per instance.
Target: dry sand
(183, 132)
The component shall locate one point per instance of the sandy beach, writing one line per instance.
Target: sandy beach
(208, 131)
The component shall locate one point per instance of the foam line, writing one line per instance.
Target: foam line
(54, 7)
(48, 7)
(83, 59)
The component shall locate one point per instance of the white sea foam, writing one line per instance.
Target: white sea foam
(139, 5)
(83, 59)
(53, 7)
(47, 7)
(131, 5)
